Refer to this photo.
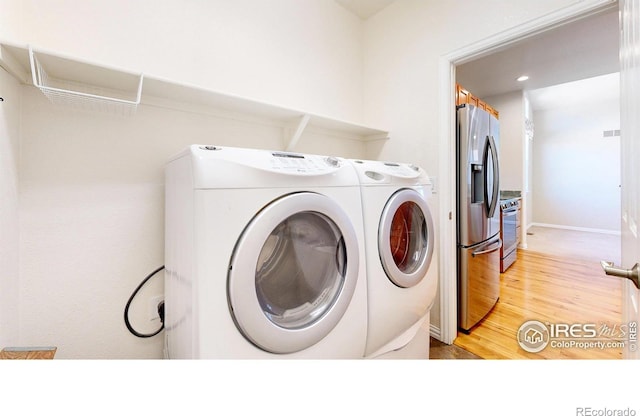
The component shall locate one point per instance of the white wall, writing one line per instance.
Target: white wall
(528, 163)
(576, 171)
(301, 54)
(403, 44)
(10, 18)
(511, 108)
(515, 168)
(9, 231)
(91, 184)
(10, 21)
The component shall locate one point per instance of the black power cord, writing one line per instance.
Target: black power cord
(160, 308)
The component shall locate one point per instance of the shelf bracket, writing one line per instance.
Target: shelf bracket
(12, 66)
(292, 136)
(376, 137)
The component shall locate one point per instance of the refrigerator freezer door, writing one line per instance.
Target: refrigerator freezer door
(478, 281)
(478, 176)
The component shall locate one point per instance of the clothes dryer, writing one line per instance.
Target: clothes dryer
(399, 243)
(264, 256)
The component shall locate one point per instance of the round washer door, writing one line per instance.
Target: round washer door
(406, 238)
(293, 272)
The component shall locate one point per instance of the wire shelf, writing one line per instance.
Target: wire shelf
(119, 93)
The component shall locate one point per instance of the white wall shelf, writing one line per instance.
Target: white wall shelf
(115, 86)
(85, 86)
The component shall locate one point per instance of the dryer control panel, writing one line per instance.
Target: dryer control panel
(400, 169)
(374, 172)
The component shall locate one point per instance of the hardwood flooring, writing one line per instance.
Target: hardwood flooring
(574, 243)
(552, 290)
(438, 350)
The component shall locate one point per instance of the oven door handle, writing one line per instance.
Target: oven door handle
(509, 212)
(491, 250)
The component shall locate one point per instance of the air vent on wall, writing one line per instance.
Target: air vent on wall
(611, 133)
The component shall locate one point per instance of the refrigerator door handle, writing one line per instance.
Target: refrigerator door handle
(490, 250)
(495, 194)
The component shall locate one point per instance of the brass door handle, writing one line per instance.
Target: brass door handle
(632, 274)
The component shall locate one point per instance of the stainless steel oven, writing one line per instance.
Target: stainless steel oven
(509, 231)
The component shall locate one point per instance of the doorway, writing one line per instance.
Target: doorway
(448, 64)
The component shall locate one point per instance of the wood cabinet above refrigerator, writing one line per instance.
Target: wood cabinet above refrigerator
(463, 96)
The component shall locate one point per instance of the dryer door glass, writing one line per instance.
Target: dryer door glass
(300, 270)
(406, 238)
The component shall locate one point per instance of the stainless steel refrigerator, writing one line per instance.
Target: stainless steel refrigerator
(478, 214)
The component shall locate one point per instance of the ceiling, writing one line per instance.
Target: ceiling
(583, 49)
(604, 88)
(364, 8)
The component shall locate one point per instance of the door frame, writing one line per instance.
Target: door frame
(446, 129)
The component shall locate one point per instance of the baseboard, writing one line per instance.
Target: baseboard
(434, 331)
(568, 227)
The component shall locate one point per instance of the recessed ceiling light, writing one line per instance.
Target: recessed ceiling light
(522, 78)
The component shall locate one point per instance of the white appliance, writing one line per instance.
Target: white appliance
(264, 256)
(399, 243)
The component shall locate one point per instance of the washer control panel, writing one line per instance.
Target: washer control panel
(297, 163)
(275, 161)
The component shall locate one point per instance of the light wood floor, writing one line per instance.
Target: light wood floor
(549, 289)
(575, 244)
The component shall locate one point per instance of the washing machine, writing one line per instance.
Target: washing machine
(264, 256)
(399, 243)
